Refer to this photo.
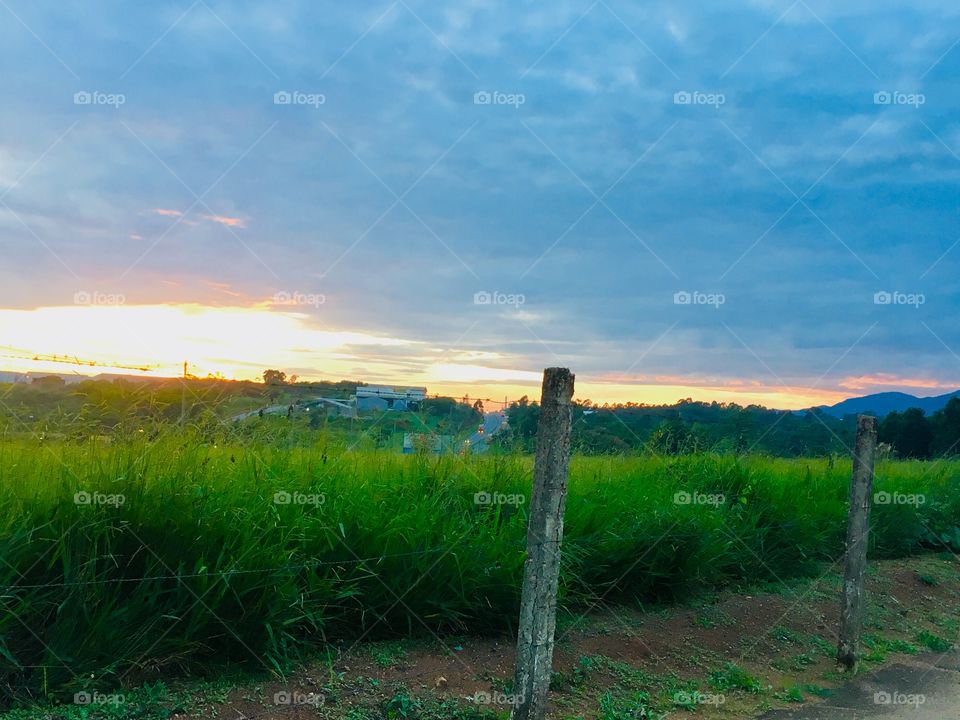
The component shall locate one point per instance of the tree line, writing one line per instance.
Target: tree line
(689, 426)
(93, 405)
(913, 434)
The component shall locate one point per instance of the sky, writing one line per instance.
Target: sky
(742, 202)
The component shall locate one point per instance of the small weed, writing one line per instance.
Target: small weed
(934, 642)
(359, 714)
(576, 678)
(794, 693)
(881, 647)
(947, 623)
(626, 674)
(899, 646)
(786, 635)
(388, 654)
(635, 707)
(402, 705)
(824, 646)
(733, 677)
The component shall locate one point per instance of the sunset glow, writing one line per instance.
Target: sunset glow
(237, 343)
(240, 342)
(338, 195)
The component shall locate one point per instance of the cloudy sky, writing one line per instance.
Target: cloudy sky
(753, 201)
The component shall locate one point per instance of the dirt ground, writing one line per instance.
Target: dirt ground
(737, 656)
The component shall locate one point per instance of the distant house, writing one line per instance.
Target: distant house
(48, 381)
(426, 442)
(389, 397)
(331, 406)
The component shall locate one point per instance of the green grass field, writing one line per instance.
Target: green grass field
(120, 562)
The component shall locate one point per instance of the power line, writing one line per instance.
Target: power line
(72, 360)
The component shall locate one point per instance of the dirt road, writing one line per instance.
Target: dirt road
(928, 688)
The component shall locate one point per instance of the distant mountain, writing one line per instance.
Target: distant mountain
(881, 404)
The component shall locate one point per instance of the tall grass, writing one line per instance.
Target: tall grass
(200, 564)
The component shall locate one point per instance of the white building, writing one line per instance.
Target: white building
(389, 397)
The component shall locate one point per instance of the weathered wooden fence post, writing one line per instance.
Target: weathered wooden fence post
(541, 572)
(858, 530)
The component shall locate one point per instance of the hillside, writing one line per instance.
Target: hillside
(881, 404)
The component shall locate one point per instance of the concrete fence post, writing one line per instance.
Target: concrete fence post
(541, 572)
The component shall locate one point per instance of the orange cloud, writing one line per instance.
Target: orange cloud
(224, 288)
(230, 222)
(225, 220)
(881, 380)
(676, 380)
(660, 389)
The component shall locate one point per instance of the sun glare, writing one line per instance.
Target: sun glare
(237, 343)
